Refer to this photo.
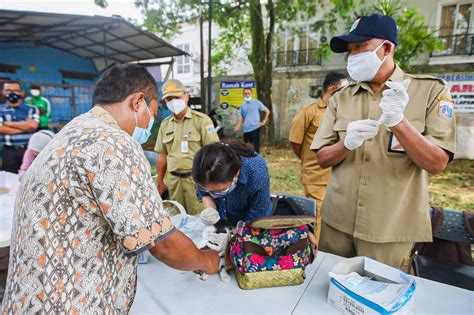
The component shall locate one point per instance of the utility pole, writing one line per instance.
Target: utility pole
(209, 66)
(201, 21)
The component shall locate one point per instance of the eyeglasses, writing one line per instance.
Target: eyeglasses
(220, 193)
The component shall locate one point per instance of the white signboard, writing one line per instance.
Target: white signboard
(462, 91)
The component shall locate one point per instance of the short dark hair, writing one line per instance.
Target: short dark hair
(35, 87)
(119, 82)
(250, 89)
(219, 162)
(332, 78)
(13, 82)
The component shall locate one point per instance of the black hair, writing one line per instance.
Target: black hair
(119, 82)
(219, 162)
(35, 87)
(13, 82)
(332, 78)
(250, 89)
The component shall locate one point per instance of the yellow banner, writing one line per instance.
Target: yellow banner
(231, 93)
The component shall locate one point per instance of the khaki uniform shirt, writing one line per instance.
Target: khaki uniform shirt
(181, 139)
(377, 193)
(86, 207)
(303, 128)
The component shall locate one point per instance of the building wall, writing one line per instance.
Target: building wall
(42, 65)
(47, 63)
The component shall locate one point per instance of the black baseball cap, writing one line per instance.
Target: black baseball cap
(365, 28)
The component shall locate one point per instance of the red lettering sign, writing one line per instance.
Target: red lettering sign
(455, 88)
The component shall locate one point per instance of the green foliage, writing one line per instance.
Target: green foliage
(414, 36)
(165, 17)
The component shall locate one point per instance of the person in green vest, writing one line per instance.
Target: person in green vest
(40, 102)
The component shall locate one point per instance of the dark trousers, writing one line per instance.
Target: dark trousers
(12, 157)
(254, 138)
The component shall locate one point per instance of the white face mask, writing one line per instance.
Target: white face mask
(247, 98)
(35, 92)
(364, 66)
(176, 105)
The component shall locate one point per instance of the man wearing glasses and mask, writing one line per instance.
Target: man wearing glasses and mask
(180, 136)
(381, 135)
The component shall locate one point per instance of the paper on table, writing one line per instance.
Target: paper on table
(191, 226)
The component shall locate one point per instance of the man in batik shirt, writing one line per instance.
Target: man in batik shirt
(88, 206)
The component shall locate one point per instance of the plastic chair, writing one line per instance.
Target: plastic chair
(297, 205)
(452, 229)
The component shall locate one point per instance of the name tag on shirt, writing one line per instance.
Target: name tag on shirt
(394, 145)
(184, 146)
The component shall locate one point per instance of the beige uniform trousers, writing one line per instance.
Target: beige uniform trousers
(183, 190)
(395, 254)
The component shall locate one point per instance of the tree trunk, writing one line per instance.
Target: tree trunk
(261, 58)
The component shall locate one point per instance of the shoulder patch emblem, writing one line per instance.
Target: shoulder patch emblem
(210, 129)
(446, 109)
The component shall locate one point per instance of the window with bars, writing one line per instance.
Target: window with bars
(297, 48)
(183, 63)
(455, 30)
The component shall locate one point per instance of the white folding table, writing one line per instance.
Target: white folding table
(162, 290)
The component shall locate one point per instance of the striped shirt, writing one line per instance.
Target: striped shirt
(17, 114)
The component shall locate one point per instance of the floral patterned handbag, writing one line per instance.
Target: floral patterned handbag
(272, 251)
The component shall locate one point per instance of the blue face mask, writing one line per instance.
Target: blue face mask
(220, 194)
(141, 135)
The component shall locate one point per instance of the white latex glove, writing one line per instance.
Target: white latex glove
(358, 131)
(209, 216)
(394, 102)
(216, 241)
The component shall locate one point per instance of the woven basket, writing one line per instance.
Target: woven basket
(267, 279)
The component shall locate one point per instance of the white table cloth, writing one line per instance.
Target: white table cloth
(8, 189)
(162, 290)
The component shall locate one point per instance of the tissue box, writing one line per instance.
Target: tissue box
(361, 285)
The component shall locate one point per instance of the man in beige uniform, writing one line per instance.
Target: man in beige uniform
(304, 126)
(382, 136)
(179, 138)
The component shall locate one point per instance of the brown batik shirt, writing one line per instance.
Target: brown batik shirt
(86, 208)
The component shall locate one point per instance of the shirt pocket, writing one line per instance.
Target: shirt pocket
(194, 141)
(341, 127)
(168, 137)
(415, 114)
(312, 128)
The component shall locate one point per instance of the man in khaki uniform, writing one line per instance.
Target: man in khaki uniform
(304, 126)
(179, 138)
(382, 136)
